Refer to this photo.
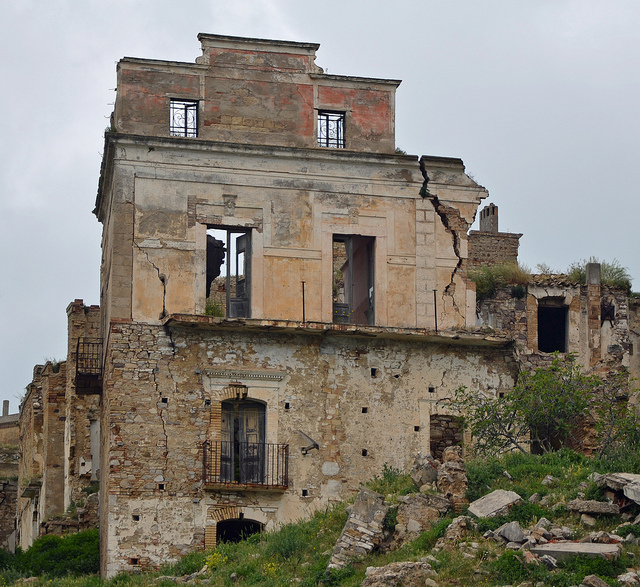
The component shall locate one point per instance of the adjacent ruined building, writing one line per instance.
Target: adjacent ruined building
(284, 307)
(60, 439)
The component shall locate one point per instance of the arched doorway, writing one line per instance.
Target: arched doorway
(236, 529)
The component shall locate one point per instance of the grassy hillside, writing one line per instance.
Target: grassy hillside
(298, 553)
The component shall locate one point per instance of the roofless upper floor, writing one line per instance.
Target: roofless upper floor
(255, 91)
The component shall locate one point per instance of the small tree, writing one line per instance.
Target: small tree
(543, 409)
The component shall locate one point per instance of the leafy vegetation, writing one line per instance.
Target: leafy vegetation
(611, 273)
(488, 278)
(545, 406)
(298, 553)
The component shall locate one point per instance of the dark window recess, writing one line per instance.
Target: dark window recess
(236, 529)
(305, 493)
(134, 561)
(432, 389)
(287, 405)
(353, 280)
(365, 452)
(228, 273)
(374, 372)
(501, 394)
(161, 486)
(416, 428)
(207, 402)
(165, 400)
(552, 325)
(331, 129)
(136, 518)
(365, 410)
(184, 118)
(88, 377)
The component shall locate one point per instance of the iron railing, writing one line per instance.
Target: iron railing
(88, 377)
(245, 464)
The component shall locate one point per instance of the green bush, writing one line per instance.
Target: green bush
(392, 480)
(612, 274)
(55, 556)
(490, 277)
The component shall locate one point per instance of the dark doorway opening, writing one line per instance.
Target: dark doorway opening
(236, 529)
(552, 325)
(445, 431)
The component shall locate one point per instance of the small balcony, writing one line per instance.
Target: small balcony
(88, 377)
(245, 465)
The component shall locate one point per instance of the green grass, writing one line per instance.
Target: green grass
(298, 553)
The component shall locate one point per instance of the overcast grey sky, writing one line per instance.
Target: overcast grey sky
(539, 98)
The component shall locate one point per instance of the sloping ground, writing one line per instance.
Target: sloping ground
(472, 551)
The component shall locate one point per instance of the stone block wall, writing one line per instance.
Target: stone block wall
(364, 401)
(487, 248)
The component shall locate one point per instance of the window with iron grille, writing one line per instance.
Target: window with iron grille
(184, 118)
(331, 129)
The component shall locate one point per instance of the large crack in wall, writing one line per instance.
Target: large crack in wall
(449, 216)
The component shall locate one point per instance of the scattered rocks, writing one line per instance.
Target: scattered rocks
(405, 574)
(496, 503)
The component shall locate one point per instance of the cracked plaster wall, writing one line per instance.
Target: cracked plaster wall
(154, 460)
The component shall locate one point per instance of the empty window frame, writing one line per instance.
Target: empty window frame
(552, 325)
(353, 279)
(228, 272)
(331, 129)
(184, 118)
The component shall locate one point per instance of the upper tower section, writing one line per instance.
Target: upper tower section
(255, 91)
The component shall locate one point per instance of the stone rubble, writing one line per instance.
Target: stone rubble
(363, 530)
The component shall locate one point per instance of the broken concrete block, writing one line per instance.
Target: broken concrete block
(591, 506)
(561, 550)
(587, 520)
(629, 578)
(632, 491)
(494, 504)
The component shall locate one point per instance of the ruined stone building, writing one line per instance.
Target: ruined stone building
(59, 435)
(284, 307)
(283, 296)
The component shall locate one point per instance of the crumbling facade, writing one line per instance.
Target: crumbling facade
(284, 307)
(59, 439)
(284, 299)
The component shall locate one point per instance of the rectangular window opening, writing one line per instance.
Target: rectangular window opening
(365, 410)
(365, 452)
(552, 325)
(184, 118)
(374, 372)
(228, 273)
(353, 280)
(331, 129)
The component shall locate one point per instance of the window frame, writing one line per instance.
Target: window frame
(187, 126)
(324, 133)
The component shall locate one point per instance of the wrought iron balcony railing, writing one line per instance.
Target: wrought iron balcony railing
(245, 464)
(88, 377)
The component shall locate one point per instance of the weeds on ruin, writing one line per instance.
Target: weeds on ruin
(612, 273)
(488, 278)
(392, 481)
